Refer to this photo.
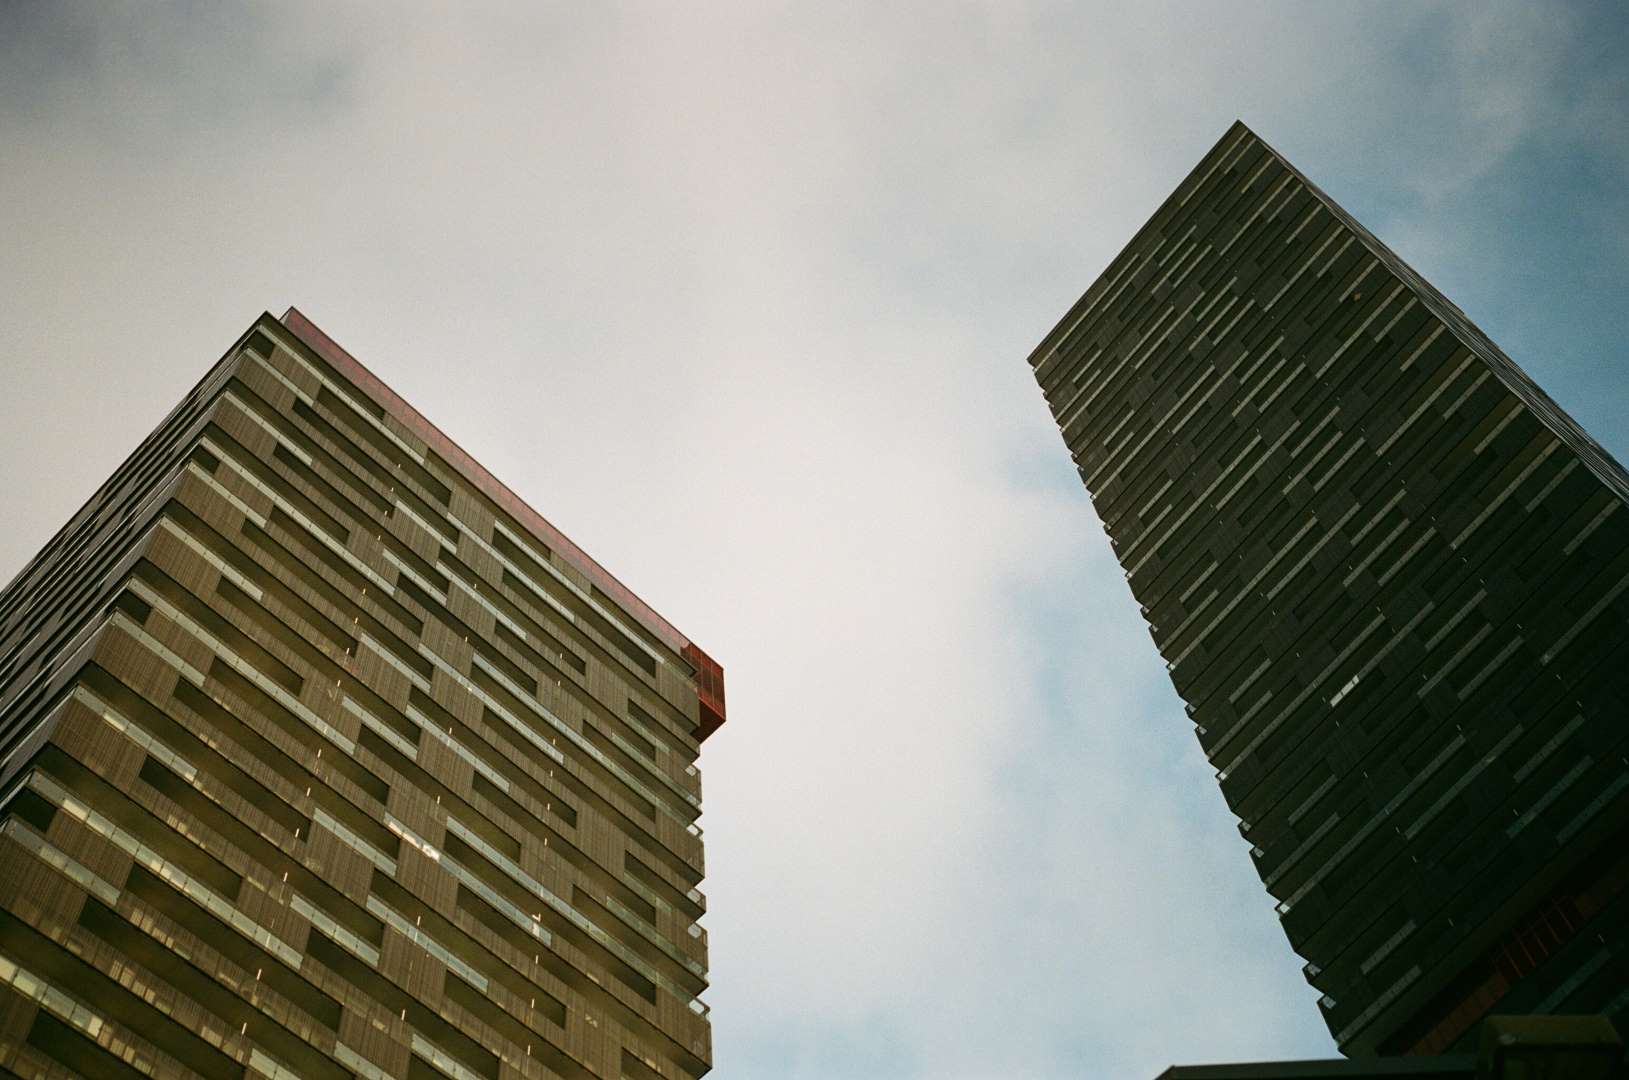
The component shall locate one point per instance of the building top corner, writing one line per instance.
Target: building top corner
(709, 675)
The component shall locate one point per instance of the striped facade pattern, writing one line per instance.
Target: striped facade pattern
(1390, 579)
(322, 755)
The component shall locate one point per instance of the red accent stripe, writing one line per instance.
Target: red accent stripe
(709, 689)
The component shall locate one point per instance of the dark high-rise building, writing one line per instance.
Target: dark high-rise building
(323, 755)
(1388, 576)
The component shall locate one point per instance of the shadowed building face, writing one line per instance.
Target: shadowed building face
(322, 754)
(1388, 576)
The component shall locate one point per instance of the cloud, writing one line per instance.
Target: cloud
(739, 296)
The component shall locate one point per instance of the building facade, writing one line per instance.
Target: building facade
(323, 755)
(1388, 577)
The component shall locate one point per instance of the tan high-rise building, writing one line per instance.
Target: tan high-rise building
(323, 755)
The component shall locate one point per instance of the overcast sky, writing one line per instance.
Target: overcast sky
(740, 298)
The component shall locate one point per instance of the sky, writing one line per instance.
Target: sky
(740, 297)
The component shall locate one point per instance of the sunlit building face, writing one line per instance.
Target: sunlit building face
(323, 755)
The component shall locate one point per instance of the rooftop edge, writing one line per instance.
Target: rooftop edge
(709, 675)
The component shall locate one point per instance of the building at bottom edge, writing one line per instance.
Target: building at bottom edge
(1509, 1048)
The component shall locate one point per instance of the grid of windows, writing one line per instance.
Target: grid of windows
(1388, 576)
(323, 755)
